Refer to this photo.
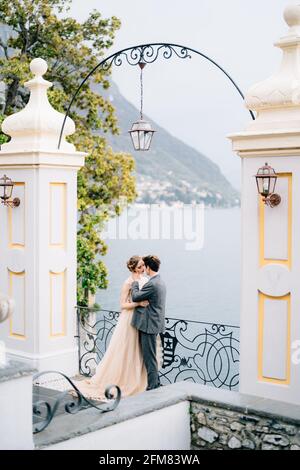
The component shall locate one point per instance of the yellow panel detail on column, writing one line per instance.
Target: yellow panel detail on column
(17, 292)
(274, 339)
(275, 226)
(58, 215)
(58, 304)
(16, 219)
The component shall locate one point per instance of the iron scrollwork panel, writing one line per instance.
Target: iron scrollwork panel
(200, 352)
(95, 329)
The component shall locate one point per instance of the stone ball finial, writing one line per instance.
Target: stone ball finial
(6, 307)
(292, 15)
(38, 67)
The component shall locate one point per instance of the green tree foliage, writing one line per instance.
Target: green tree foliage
(43, 28)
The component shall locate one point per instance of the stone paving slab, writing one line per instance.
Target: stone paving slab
(15, 369)
(53, 381)
(42, 394)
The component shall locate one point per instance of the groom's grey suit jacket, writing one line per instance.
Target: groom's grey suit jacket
(150, 319)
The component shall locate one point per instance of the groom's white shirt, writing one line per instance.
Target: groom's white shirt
(150, 277)
(142, 281)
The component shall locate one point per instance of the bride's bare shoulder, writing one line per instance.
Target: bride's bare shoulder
(127, 282)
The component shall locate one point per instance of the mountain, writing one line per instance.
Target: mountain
(171, 171)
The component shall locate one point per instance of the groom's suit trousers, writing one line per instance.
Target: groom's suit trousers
(148, 345)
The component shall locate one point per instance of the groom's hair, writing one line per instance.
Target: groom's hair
(153, 262)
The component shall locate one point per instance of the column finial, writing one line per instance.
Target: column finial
(277, 99)
(37, 126)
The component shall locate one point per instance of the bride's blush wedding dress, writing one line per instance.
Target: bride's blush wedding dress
(122, 363)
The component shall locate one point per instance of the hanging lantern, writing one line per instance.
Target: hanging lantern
(141, 132)
(266, 179)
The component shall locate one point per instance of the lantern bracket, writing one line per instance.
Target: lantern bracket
(273, 200)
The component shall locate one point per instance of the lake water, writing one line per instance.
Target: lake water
(202, 284)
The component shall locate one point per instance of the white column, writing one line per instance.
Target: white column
(38, 238)
(270, 311)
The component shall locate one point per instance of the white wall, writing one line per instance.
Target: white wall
(16, 414)
(165, 429)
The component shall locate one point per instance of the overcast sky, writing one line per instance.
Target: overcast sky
(190, 98)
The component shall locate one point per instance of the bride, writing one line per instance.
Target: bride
(122, 363)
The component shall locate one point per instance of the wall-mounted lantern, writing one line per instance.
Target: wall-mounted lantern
(6, 189)
(141, 131)
(266, 181)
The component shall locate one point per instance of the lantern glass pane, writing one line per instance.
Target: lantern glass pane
(266, 186)
(139, 140)
(259, 184)
(148, 138)
(9, 190)
(273, 184)
(135, 139)
(142, 140)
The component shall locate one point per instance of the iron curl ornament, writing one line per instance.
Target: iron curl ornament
(71, 400)
(146, 53)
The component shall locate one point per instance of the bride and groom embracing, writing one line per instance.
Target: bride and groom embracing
(133, 356)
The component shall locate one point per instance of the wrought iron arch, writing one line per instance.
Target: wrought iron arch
(147, 53)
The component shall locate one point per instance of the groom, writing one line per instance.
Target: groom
(150, 320)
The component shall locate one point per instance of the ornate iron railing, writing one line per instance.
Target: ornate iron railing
(45, 407)
(206, 353)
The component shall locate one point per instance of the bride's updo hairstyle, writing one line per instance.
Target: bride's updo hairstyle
(133, 262)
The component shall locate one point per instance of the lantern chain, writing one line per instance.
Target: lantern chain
(142, 92)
